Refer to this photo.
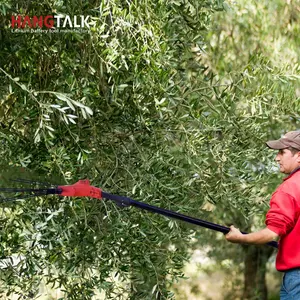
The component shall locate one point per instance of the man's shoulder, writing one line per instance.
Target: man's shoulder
(290, 186)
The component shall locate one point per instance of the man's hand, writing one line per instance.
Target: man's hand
(234, 235)
(257, 238)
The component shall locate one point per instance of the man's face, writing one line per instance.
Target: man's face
(287, 160)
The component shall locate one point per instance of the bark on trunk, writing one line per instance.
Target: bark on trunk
(256, 257)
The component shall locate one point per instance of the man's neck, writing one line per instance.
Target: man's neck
(294, 171)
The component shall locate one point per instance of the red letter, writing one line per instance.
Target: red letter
(37, 21)
(49, 24)
(26, 20)
(14, 21)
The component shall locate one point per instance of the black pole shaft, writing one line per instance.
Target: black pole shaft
(125, 201)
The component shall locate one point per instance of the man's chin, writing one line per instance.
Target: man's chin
(282, 170)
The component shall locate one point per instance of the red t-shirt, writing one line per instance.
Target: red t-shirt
(283, 219)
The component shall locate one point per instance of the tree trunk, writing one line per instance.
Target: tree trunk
(255, 287)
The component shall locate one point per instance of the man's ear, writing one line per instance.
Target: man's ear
(298, 157)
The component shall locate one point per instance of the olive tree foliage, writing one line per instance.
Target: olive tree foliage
(119, 105)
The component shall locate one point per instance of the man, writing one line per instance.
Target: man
(282, 219)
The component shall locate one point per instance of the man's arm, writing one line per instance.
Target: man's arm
(259, 237)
